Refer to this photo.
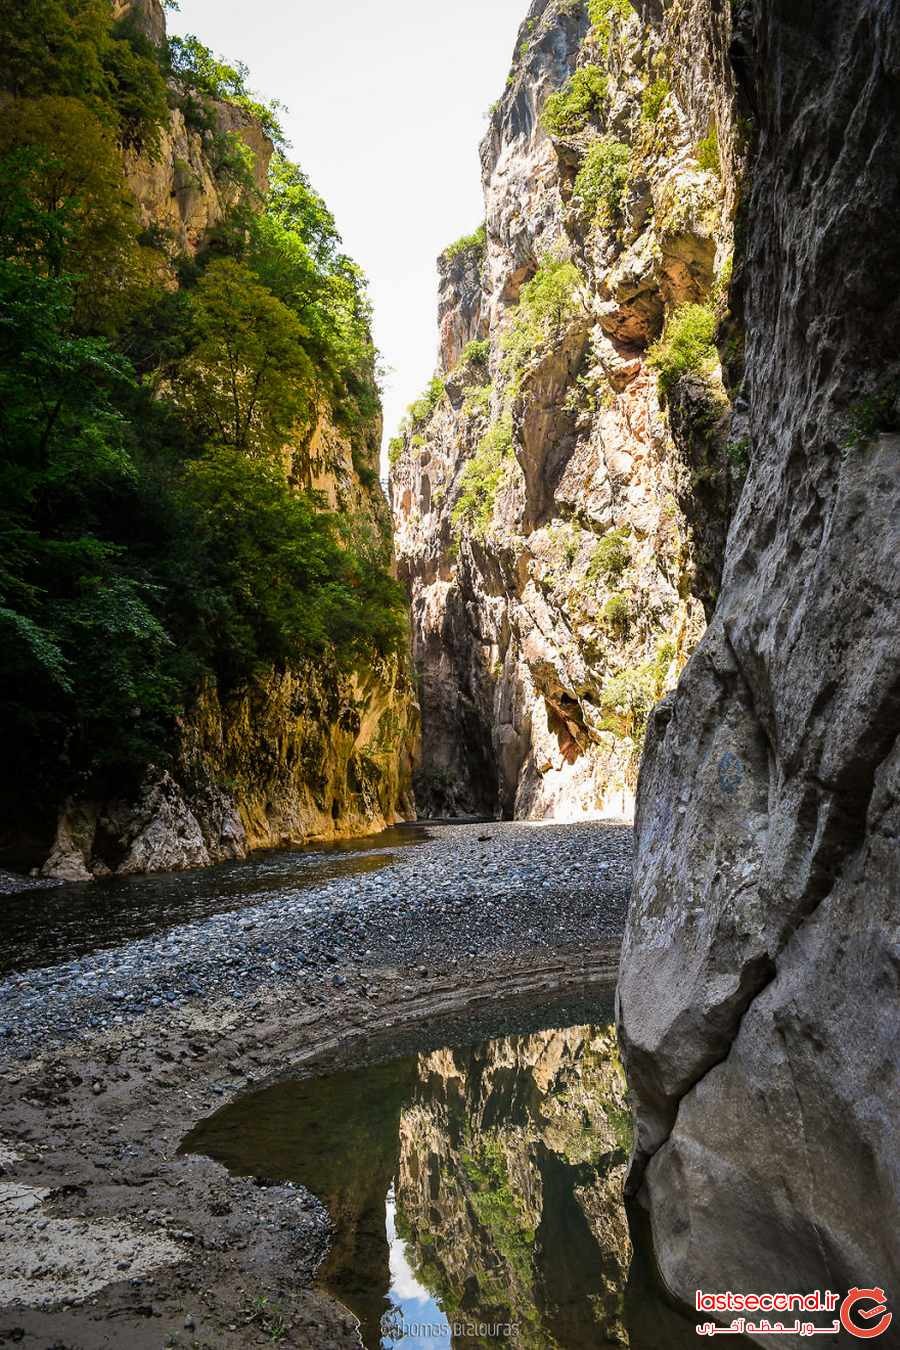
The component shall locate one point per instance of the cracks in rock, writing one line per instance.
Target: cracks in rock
(768, 972)
(810, 1168)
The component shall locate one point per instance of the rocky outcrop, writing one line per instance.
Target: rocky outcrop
(758, 1003)
(559, 522)
(183, 192)
(307, 754)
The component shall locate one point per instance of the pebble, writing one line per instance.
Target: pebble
(433, 904)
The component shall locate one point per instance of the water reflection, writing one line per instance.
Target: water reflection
(470, 1189)
(45, 926)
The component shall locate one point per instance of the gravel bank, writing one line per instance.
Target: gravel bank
(109, 1236)
(468, 891)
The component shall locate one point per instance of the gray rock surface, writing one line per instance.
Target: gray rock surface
(538, 664)
(758, 1003)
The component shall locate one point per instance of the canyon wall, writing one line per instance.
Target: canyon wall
(758, 1002)
(316, 752)
(668, 396)
(559, 521)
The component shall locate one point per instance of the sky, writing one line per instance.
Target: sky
(387, 105)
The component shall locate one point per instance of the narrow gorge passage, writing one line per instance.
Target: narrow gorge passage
(449, 871)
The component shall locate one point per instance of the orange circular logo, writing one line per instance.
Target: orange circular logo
(866, 1315)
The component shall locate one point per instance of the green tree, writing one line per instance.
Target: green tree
(247, 380)
(83, 220)
(72, 49)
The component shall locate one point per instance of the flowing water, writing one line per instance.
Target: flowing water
(49, 925)
(476, 1193)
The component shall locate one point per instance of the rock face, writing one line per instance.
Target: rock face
(559, 523)
(305, 754)
(758, 1007)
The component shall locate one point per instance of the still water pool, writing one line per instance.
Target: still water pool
(476, 1193)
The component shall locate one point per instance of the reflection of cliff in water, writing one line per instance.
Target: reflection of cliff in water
(467, 1186)
(512, 1159)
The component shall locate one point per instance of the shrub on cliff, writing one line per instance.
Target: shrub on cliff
(200, 76)
(468, 243)
(568, 110)
(611, 556)
(687, 345)
(602, 14)
(422, 408)
(477, 352)
(482, 478)
(549, 302)
(602, 179)
(653, 100)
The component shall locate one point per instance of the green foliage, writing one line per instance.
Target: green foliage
(151, 531)
(616, 614)
(423, 407)
(722, 284)
(687, 345)
(482, 478)
(629, 697)
(295, 252)
(653, 100)
(199, 75)
(476, 352)
(738, 453)
(707, 153)
(871, 415)
(247, 380)
(547, 305)
(72, 49)
(395, 449)
(611, 556)
(278, 586)
(568, 110)
(468, 243)
(477, 401)
(498, 1208)
(64, 207)
(602, 179)
(603, 14)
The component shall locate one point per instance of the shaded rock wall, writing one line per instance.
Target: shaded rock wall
(758, 1004)
(540, 645)
(299, 755)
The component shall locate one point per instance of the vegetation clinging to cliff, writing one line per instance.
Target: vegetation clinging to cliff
(482, 478)
(687, 345)
(154, 527)
(602, 179)
(467, 243)
(549, 302)
(568, 110)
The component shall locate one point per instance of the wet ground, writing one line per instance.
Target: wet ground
(455, 895)
(448, 964)
(46, 925)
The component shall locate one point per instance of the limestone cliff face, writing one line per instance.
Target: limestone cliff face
(759, 1010)
(307, 754)
(549, 620)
